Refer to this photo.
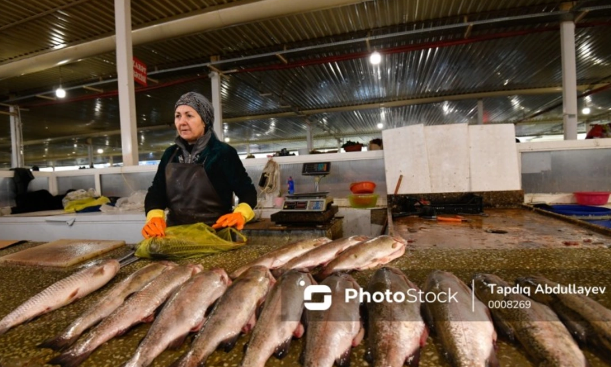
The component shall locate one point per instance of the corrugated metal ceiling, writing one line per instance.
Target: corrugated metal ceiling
(434, 68)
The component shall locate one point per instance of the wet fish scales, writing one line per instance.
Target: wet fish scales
(109, 302)
(61, 293)
(396, 331)
(468, 338)
(536, 328)
(280, 319)
(136, 309)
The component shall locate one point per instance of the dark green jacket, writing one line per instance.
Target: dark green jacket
(223, 167)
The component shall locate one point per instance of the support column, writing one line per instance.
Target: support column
(90, 152)
(125, 81)
(310, 144)
(569, 76)
(215, 80)
(480, 111)
(16, 138)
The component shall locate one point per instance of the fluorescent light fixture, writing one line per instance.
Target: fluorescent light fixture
(100, 151)
(586, 110)
(375, 58)
(227, 140)
(380, 125)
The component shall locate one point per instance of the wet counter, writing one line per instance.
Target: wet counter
(506, 242)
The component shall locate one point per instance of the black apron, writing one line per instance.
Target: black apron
(191, 196)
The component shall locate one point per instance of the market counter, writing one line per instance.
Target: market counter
(532, 244)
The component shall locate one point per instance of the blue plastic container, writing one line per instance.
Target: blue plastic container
(580, 210)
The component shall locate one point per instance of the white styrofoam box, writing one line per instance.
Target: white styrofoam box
(447, 148)
(405, 154)
(493, 158)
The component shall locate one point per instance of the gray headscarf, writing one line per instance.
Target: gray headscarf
(200, 104)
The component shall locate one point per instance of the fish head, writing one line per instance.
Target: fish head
(482, 284)
(534, 281)
(224, 277)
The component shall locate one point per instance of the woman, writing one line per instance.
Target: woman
(198, 175)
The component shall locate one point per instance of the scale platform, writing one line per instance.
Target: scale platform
(310, 207)
(307, 202)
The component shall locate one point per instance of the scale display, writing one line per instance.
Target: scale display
(307, 202)
(316, 169)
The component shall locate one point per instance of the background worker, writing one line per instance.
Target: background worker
(198, 175)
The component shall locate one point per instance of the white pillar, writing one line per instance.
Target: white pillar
(215, 80)
(125, 80)
(16, 138)
(480, 112)
(569, 79)
(310, 144)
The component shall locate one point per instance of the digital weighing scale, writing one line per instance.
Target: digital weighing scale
(307, 202)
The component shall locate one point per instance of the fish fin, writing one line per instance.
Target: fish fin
(69, 359)
(177, 343)
(368, 356)
(492, 360)
(427, 317)
(58, 343)
(365, 317)
(414, 359)
(181, 360)
(359, 337)
(282, 349)
(504, 328)
(198, 327)
(299, 331)
(148, 318)
(344, 359)
(73, 294)
(250, 324)
(99, 272)
(229, 343)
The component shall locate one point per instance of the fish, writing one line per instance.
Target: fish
(61, 293)
(587, 320)
(138, 308)
(321, 255)
(280, 319)
(332, 333)
(183, 313)
(233, 313)
(280, 256)
(106, 305)
(366, 255)
(396, 331)
(468, 337)
(536, 328)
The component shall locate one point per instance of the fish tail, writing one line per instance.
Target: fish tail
(69, 359)
(58, 343)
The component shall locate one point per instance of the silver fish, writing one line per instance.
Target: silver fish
(321, 255)
(61, 293)
(279, 321)
(233, 313)
(468, 338)
(183, 313)
(107, 304)
(366, 255)
(280, 256)
(587, 320)
(332, 333)
(139, 308)
(537, 327)
(396, 329)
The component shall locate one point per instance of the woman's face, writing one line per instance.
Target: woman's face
(189, 123)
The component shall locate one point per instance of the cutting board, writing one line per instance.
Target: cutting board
(62, 253)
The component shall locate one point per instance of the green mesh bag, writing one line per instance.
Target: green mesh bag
(190, 241)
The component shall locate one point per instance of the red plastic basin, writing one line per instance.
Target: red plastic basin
(363, 187)
(592, 197)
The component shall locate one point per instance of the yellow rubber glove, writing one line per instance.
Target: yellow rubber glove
(155, 224)
(241, 214)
